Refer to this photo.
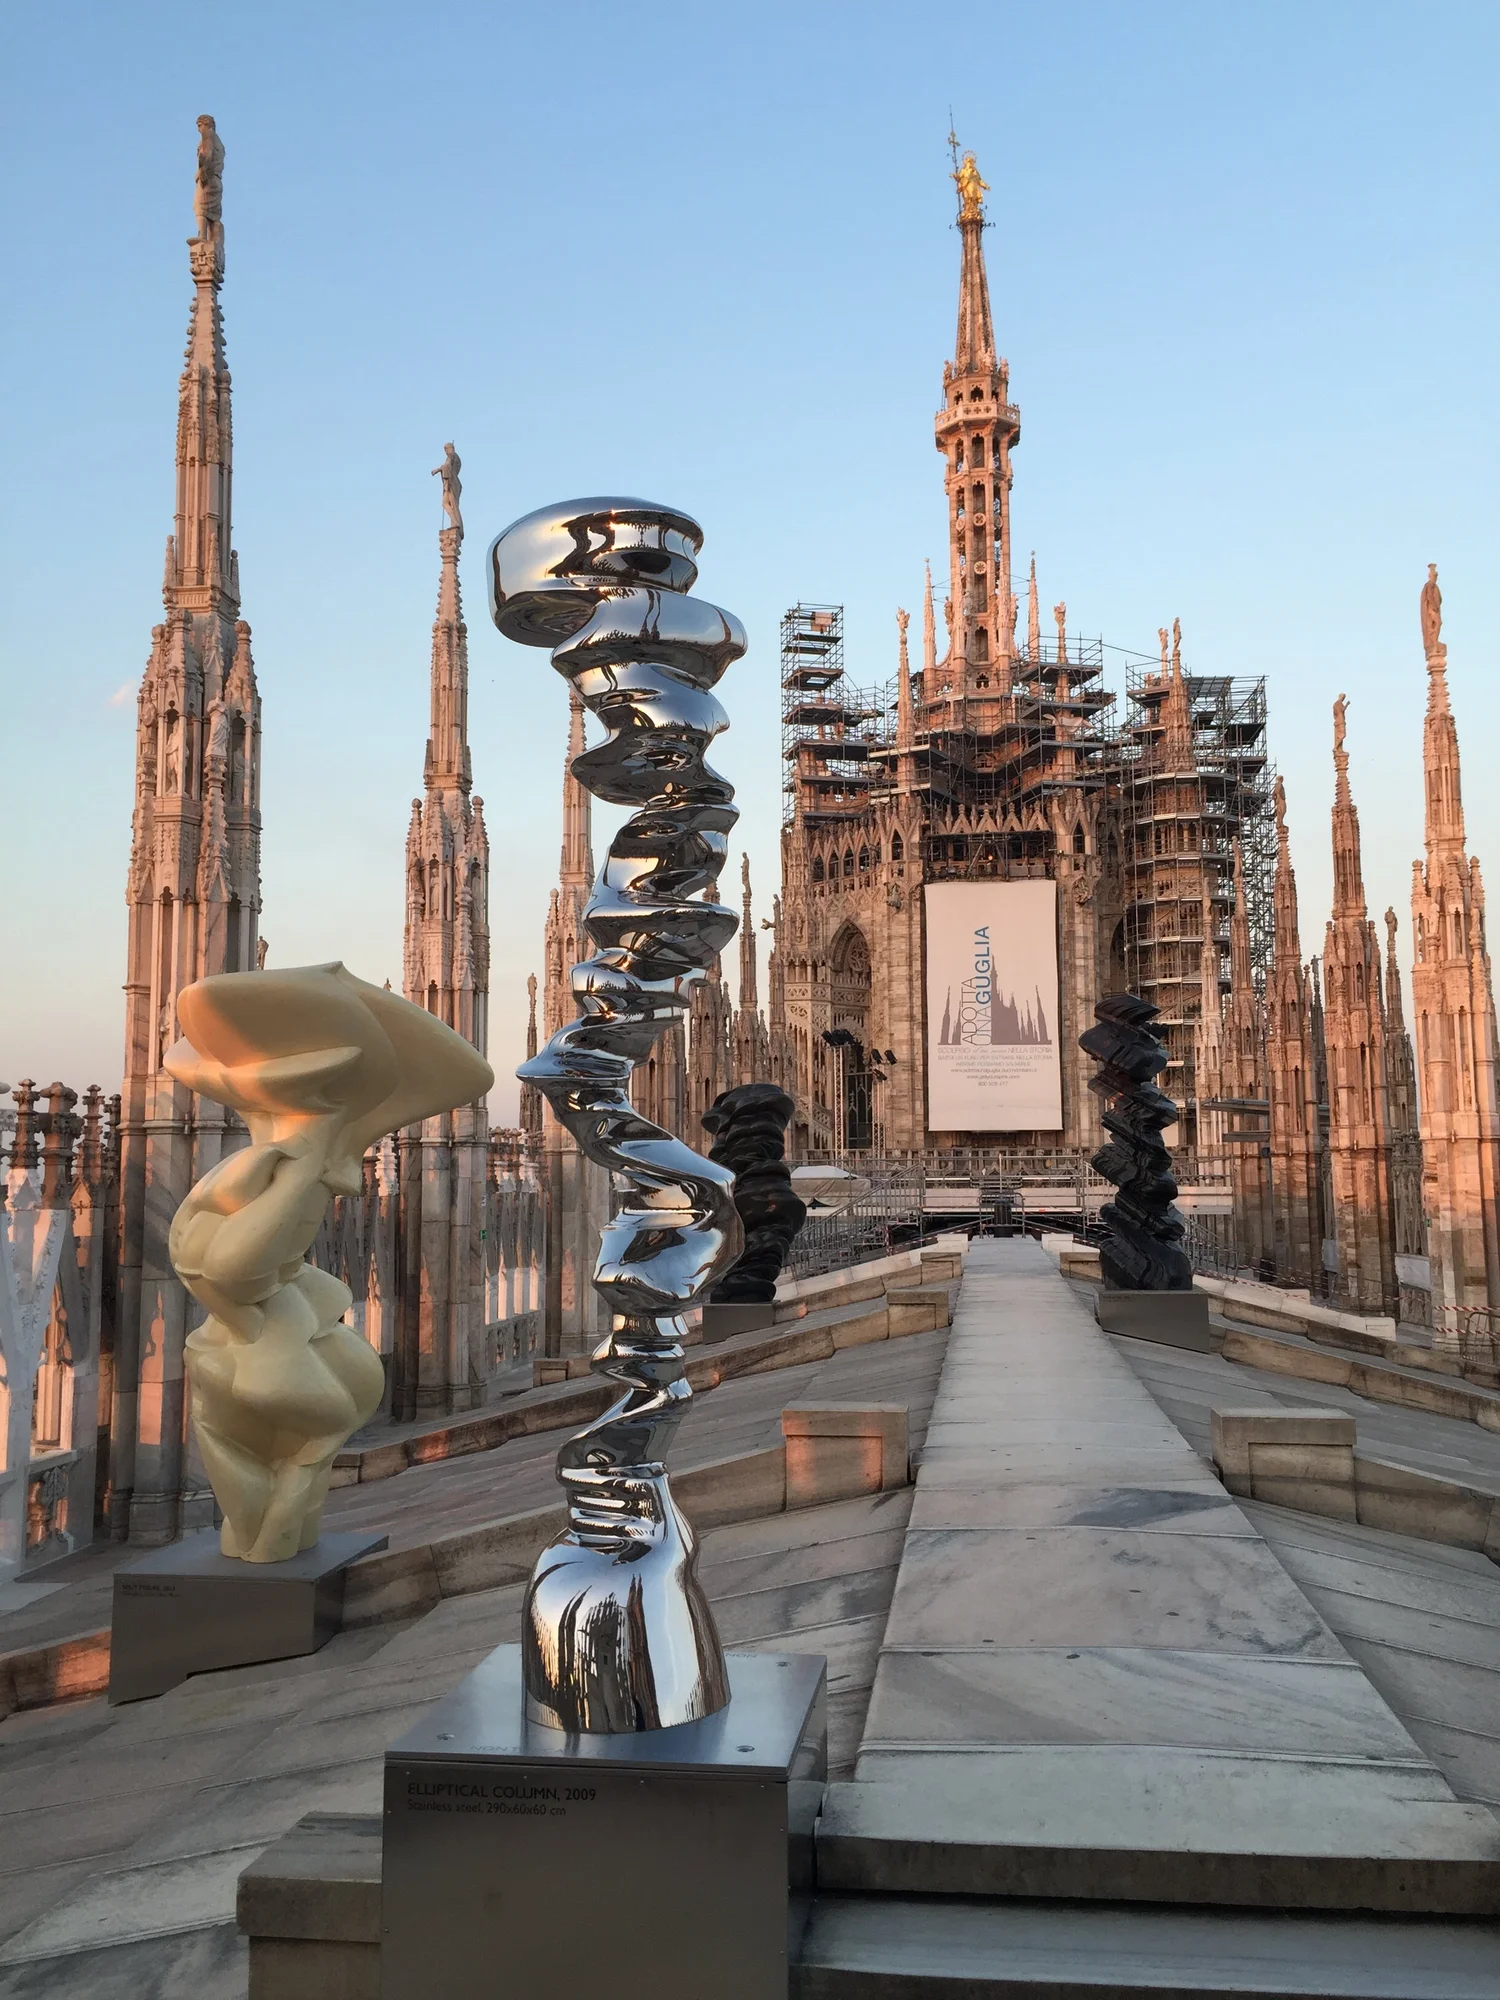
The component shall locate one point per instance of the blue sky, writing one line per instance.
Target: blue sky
(1243, 264)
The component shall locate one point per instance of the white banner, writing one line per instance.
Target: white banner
(992, 1011)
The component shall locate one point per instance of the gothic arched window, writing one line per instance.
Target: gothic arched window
(864, 860)
(898, 849)
(817, 868)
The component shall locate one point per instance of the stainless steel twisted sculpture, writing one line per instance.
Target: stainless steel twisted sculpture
(617, 1634)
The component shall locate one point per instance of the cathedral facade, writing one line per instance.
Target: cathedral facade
(989, 765)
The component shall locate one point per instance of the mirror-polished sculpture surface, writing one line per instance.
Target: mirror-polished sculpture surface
(319, 1065)
(617, 1634)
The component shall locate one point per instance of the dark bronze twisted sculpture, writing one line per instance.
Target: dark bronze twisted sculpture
(749, 1125)
(1144, 1249)
(617, 1634)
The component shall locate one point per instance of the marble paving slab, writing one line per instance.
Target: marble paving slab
(1097, 1679)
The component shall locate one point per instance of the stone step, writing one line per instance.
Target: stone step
(1378, 1380)
(902, 1948)
(1156, 1824)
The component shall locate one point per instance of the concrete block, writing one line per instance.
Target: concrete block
(917, 1309)
(1411, 1391)
(294, 1969)
(1282, 1357)
(837, 1451)
(381, 1461)
(497, 1553)
(1079, 1260)
(733, 1489)
(942, 1267)
(66, 1670)
(321, 1880)
(1174, 1319)
(310, 1908)
(763, 1353)
(1404, 1502)
(1313, 1478)
(1236, 1430)
(399, 1583)
(860, 1329)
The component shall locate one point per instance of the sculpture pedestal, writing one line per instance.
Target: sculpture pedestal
(719, 1322)
(520, 1856)
(187, 1609)
(1176, 1319)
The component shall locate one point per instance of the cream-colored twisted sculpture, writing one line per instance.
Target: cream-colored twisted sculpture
(319, 1065)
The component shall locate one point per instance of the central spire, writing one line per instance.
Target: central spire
(976, 430)
(974, 348)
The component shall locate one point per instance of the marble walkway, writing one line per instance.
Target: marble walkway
(1097, 1678)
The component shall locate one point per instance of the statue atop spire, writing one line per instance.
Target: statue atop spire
(448, 472)
(208, 203)
(904, 716)
(1432, 614)
(971, 190)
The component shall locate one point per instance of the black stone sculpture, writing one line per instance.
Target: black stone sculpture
(749, 1128)
(1144, 1251)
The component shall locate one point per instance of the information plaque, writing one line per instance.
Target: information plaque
(521, 1861)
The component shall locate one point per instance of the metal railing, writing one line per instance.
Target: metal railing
(887, 1217)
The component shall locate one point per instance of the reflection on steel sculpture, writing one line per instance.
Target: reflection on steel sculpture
(1144, 1250)
(319, 1065)
(616, 1633)
(749, 1130)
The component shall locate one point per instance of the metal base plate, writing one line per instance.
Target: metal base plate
(188, 1609)
(1175, 1319)
(576, 1862)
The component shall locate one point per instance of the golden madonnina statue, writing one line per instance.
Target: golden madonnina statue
(971, 189)
(319, 1065)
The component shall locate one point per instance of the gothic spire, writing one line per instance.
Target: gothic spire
(1033, 615)
(749, 999)
(1241, 971)
(1288, 936)
(448, 763)
(974, 348)
(929, 638)
(1176, 711)
(976, 430)
(1445, 803)
(577, 872)
(1395, 1010)
(201, 569)
(904, 720)
(1348, 873)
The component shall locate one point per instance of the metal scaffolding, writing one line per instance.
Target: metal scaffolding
(829, 729)
(1182, 816)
